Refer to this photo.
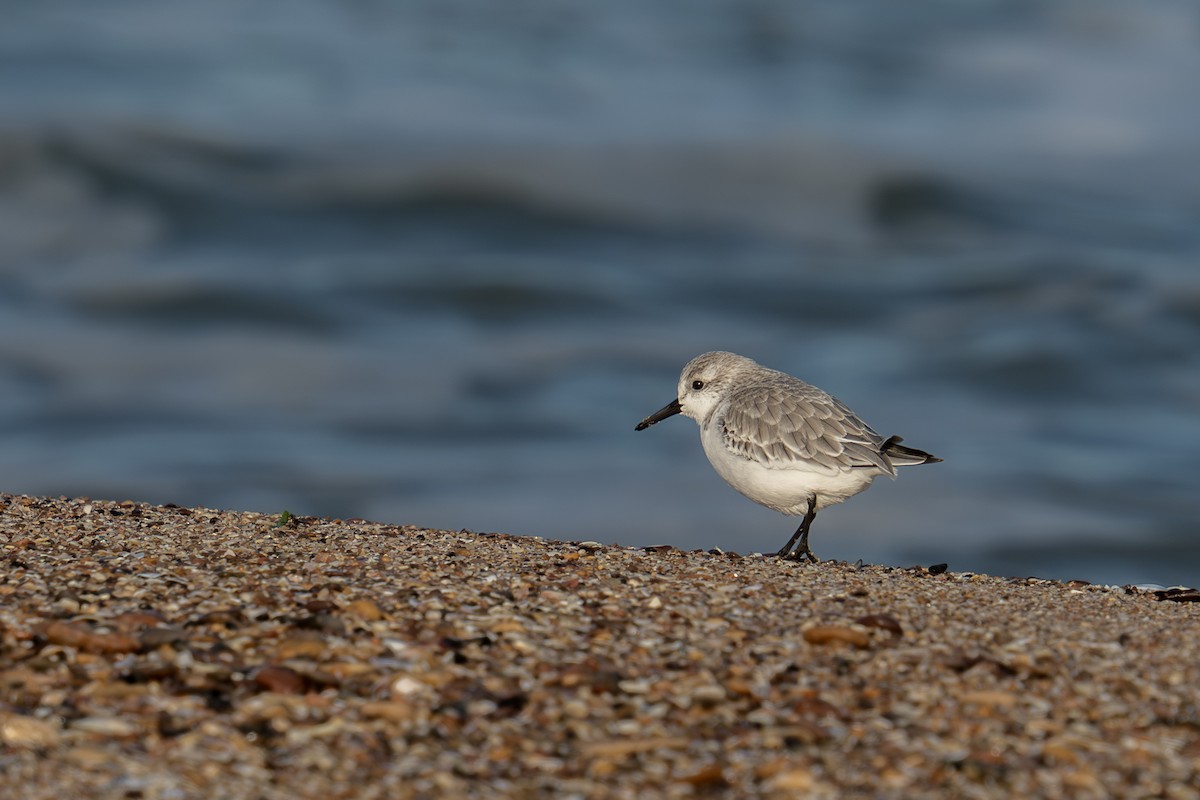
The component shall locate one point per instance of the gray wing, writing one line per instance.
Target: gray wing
(791, 423)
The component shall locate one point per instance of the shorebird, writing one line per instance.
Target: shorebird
(781, 442)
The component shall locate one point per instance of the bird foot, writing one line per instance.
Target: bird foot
(802, 555)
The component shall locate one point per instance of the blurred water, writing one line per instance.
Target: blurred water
(429, 263)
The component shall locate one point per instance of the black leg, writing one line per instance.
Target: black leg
(803, 552)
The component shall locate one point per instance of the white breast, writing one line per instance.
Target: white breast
(787, 486)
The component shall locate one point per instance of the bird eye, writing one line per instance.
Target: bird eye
(697, 385)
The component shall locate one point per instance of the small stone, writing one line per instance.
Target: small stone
(813, 706)
(792, 780)
(1060, 752)
(366, 610)
(80, 636)
(280, 680)
(710, 777)
(576, 709)
(343, 670)
(228, 617)
(301, 645)
(884, 622)
(89, 756)
(837, 634)
(405, 686)
(389, 710)
(621, 747)
(990, 698)
(1085, 780)
(135, 620)
(508, 626)
(19, 730)
(712, 693)
(105, 726)
(152, 638)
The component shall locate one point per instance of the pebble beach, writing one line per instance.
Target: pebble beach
(166, 652)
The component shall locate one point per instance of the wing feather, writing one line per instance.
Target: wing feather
(786, 423)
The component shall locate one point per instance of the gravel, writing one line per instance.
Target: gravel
(166, 652)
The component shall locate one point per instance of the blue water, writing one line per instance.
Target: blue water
(430, 262)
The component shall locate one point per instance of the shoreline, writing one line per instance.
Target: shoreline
(156, 651)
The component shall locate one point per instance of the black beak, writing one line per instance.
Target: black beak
(669, 410)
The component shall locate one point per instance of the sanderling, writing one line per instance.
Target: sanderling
(779, 441)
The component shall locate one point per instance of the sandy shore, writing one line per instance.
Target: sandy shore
(161, 652)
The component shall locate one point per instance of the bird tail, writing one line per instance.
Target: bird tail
(903, 456)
